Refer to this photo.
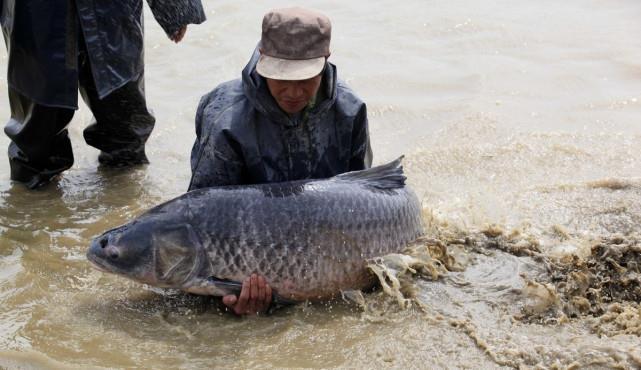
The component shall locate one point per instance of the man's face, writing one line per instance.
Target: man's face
(293, 96)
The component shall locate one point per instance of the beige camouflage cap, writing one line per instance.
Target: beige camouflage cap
(294, 44)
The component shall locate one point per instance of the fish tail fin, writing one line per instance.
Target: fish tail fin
(386, 176)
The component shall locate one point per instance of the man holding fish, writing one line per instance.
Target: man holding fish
(288, 118)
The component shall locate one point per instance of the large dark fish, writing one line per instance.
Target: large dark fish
(310, 238)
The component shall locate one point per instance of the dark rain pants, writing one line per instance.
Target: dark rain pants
(40, 147)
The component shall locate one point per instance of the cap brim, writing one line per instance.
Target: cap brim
(285, 69)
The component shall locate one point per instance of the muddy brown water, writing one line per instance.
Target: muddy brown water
(520, 125)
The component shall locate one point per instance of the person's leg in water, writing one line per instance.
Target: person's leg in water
(122, 123)
(40, 147)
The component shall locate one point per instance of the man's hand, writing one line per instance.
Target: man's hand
(178, 36)
(255, 297)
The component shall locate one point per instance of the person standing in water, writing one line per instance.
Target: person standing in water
(288, 118)
(56, 47)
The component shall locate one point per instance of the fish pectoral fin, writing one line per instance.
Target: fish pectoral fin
(234, 287)
(226, 286)
(280, 301)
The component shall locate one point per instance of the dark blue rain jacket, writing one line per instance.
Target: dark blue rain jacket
(243, 137)
(42, 41)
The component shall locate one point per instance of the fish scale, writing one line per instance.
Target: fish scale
(310, 239)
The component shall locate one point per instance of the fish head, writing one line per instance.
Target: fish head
(126, 250)
(151, 251)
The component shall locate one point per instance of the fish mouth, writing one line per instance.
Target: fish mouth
(100, 265)
(97, 263)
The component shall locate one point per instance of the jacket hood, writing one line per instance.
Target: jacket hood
(256, 91)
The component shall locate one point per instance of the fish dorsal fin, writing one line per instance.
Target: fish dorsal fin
(386, 176)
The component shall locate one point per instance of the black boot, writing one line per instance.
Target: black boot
(40, 147)
(123, 158)
(122, 123)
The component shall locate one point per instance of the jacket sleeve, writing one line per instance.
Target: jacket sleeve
(214, 157)
(174, 14)
(361, 156)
